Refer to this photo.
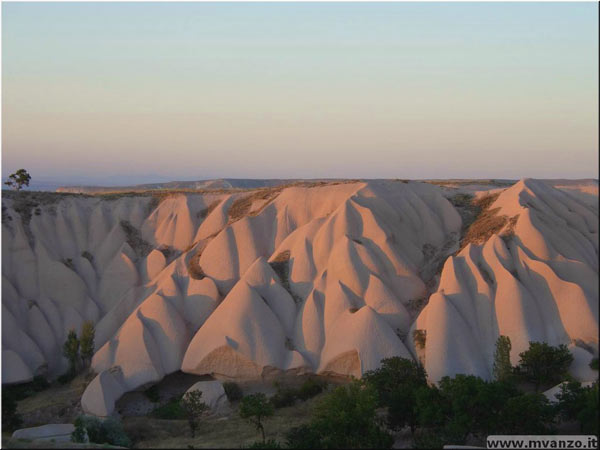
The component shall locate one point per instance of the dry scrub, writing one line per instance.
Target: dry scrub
(134, 239)
(203, 214)
(487, 223)
(281, 266)
(241, 207)
(194, 269)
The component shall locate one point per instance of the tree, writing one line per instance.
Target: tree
(396, 383)
(432, 409)
(256, 407)
(193, 406)
(462, 405)
(346, 418)
(544, 364)
(527, 414)
(588, 415)
(18, 179)
(87, 342)
(502, 367)
(579, 403)
(71, 351)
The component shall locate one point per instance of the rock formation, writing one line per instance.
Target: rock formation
(325, 278)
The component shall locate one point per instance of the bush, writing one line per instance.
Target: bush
(396, 382)
(346, 418)
(24, 390)
(594, 364)
(580, 404)
(171, 410)
(303, 436)
(152, 394)
(527, 414)
(11, 420)
(271, 443)
(233, 391)
(66, 377)
(109, 431)
(284, 397)
(114, 433)
(39, 383)
(310, 388)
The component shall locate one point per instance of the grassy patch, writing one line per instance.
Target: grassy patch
(216, 432)
(58, 403)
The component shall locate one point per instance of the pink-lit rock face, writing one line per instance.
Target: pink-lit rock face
(323, 279)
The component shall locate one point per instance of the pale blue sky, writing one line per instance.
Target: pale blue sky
(266, 90)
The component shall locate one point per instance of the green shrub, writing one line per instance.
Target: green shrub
(39, 383)
(11, 420)
(271, 443)
(233, 391)
(109, 431)
(114, 433)
(285, 396)
(310, 388)
(172, 410)
(527, 414)
(428, 438)
(152, 394)
(66, 377)
(346, 418)
(23, 390)
(303, 436)
(579, 403)
(594, 364)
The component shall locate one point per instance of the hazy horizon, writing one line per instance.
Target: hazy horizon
(155, 92)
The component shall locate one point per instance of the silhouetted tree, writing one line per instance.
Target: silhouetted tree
(71, 351)
(18, 179)
(87, 342)
(544, 364)
(502, 367)
(345, 418)
(396, 382)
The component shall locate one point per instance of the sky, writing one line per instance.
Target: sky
(111, 93)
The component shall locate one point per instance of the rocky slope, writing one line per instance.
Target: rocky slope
(323, 277)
